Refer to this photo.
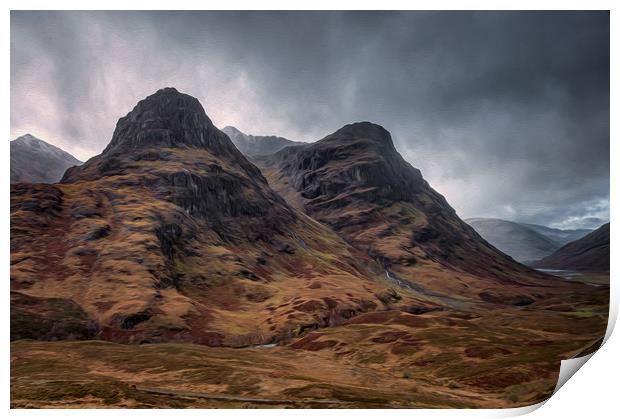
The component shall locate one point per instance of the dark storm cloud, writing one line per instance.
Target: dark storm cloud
(505, 113)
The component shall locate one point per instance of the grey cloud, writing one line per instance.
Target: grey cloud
(505, 113)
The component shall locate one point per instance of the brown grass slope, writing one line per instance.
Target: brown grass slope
(491, 357)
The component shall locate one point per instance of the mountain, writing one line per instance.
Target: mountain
(559, 236)
(520, 241)
(356, 182)
(126, 275)
(34, 160)
(172, 235)
(589, 253)
(257, 145)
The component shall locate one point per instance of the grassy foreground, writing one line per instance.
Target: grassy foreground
(492, 358)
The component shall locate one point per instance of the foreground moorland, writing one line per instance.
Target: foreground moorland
(170, 271)
(488, 358)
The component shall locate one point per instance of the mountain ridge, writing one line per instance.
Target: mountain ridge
(517, 240)
(37, 161)
(561, 236)
(256, 145)
(589, 253)
(355, 181)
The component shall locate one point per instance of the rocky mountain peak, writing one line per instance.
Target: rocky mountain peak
(229, 129)
(364, 130)
(168, 146)
(168, 119)
(158, 128)
(37, 145)
(355, 181)
(357, 156)
(27, 138)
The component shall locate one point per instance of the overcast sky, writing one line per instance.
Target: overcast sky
(505, 113)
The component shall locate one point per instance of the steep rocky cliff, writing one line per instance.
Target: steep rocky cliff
(356, 182)
(167, 145)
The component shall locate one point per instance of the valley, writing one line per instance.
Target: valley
(491, 356)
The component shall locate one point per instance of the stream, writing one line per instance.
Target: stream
(568, 275)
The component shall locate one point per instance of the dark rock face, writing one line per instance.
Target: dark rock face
(219, 193)
(99, 233)
(358, 157)
(34, 160)
(424, 234)
(158, 146)
(166, 119)
(133, 320)
(170, 238)
(355, 181)
(588, 254)
(49, 319)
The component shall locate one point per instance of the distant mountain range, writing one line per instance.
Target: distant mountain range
(558, 235)
(35, 161)
(589, 253)
(524, 242)
(257, 145)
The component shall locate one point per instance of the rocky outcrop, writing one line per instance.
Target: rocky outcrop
(357, 159)
(49, 319)
(169, 119)
(165, 120)
(161, 140)
(358, 163)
